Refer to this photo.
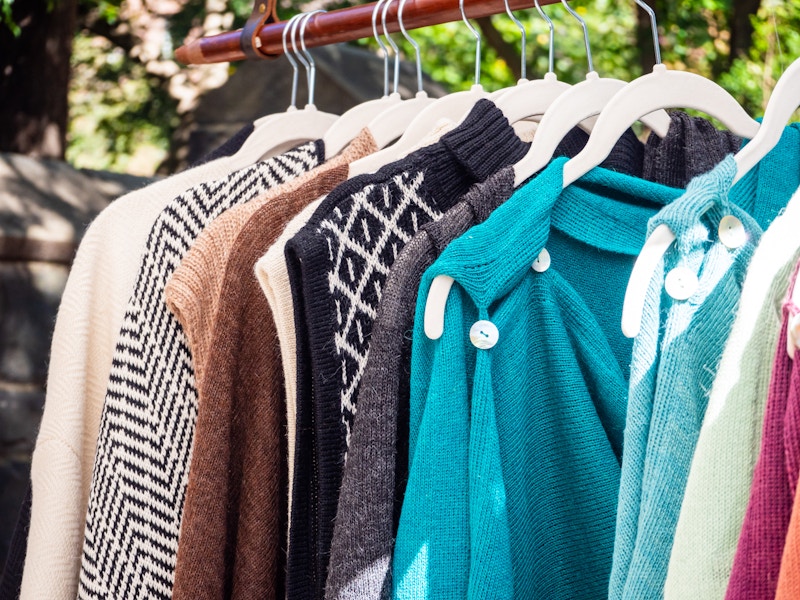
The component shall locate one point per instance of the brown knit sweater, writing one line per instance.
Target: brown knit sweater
(233, 527)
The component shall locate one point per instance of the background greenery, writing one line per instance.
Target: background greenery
(124, 112)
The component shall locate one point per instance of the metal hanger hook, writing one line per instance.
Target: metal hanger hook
(414, 43)
(312, 71)
(477, 35)
(522, 70)
(393, 44)
(551, 27)
(653, 26)
(383, 47)
(571, 11)
(290, 25)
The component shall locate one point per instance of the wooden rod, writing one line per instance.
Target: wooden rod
(343, 25)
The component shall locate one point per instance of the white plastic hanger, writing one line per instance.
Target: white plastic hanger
(660, 89)
(392, 122)
(582, 101)
(452, 107)
(354, 120)
(285, 130)
(784, 101)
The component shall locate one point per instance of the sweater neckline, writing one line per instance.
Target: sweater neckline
(489, 260)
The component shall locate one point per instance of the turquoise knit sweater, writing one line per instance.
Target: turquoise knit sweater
(515, 451)
(674, 361)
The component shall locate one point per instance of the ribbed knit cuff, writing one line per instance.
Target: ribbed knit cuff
(485, 142)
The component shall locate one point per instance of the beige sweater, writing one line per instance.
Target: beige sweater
(86, 331)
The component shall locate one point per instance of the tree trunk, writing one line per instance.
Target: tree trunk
(741, 27)
(644, 37)
(34, 78)
(508, 52)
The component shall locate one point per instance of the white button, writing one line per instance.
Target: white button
(483, 334)
(681, 283)
(731, 232)
(542, 262)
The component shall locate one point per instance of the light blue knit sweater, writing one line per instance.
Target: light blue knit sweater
(675, 358)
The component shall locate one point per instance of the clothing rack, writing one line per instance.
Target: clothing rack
(342, 25)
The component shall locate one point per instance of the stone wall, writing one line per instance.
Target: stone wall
(45, 207)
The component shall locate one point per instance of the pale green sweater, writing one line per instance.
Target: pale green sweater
(721, 473)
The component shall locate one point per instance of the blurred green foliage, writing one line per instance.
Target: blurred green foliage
(113, 98)
(121, 118)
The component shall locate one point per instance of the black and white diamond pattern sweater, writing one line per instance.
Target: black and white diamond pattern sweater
(146, 430)
(338, 264)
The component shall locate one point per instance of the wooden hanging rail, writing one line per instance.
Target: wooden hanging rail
(343, 25)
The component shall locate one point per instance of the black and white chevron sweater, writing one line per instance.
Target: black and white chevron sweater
(338, 264)
(145, 441)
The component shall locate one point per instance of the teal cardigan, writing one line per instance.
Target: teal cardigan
(515, 451)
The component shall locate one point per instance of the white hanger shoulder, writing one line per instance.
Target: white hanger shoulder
(390, 124)
(281, 132)
(652, 252)
(582, 101)
(662, 88)
(531, 98)
(784, 101)
(452, 107)
(348, 126)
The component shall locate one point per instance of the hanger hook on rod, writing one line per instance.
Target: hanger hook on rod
(653, 26)
(477, 35)
(413, 42)
(393, 44)
(551, 27)
(383, 47)
(290, 25)
(312, 71)
(523, 43)
(296, 46)
(580, 20)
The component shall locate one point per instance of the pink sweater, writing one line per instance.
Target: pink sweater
(758, 555)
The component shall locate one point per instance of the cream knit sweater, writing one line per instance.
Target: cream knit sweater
(86, 331)
(721, 472)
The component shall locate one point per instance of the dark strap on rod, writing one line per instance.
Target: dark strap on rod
(264, 11)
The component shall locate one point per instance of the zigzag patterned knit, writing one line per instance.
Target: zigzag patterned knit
(145, 441)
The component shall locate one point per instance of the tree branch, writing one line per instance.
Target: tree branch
(505, 51)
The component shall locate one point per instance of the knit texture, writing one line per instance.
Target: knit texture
(90, 317)
(674, 360)
(676, 159)
(366, 520)
(377, 465)
(478, 520)
(232, 526)
(756, 565)
(273, 276)
(146, 429)
(11, 581)
(337, 266)
(789, 578)
(718, 487)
